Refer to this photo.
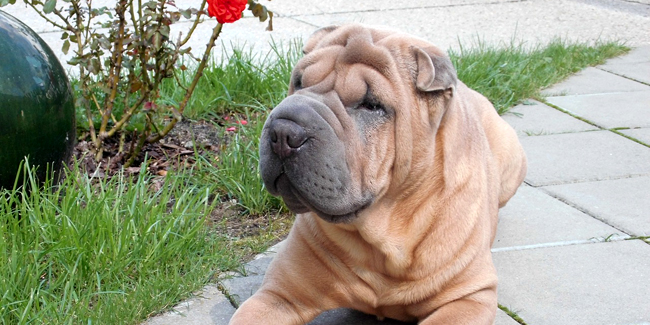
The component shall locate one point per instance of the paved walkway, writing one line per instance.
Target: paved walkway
(569, 248)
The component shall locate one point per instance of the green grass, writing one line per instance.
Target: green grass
(509, 74)
(236, 170)
(512, 315)
(242, 81)
(119, 250)
(106, 252)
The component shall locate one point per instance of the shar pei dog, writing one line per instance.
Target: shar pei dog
(396, 170)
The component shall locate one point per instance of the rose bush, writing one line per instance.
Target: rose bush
(124, 56)
(226, 11)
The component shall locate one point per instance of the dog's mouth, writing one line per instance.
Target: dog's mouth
(297, 203)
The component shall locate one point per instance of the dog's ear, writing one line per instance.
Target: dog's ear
(316, 37)
(434, 70)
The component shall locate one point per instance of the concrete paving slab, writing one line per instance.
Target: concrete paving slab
(209, 307)
(258, 266)
(594, 81)
(533, 217)
(534, 22)
(636, 71)
(604, 283)
(580, 157)
(640, 54)
(242, 288)
(610, 110)
(635, 65)
(623, 203)
(642, 135)
(535, 118)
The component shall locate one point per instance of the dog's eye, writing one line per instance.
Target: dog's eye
(372, 106)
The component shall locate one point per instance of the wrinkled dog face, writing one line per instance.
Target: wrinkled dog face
(329, 147)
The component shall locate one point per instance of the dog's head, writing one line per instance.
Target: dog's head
(361, 102)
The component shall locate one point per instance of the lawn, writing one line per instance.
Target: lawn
(120, 249)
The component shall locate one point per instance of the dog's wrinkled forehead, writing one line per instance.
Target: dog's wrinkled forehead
(352, 59)
(356, 43)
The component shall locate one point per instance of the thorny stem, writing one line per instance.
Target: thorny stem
(164, 60)
(135, 151)
(116, 68)
(83, 76)
(196, 23)
(127, 115)
(197, 76)
(55, 24)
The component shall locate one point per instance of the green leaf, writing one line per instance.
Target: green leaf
(187, 13)
(6, 2)
(259, 11)
(66, 47)
(49, 6)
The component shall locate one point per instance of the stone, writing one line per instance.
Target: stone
(242, 288)
(580, 157)
(209, 306)
(258, 266)
(634, 65)
(593, 81)
(603, 283)
(535, 118)
(623, 203)
(532, 217)
(642, 135)
(609, 110)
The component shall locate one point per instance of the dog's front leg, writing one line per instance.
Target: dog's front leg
(477, 309)
(303, 280)
(267, 307)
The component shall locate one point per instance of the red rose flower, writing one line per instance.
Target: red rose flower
(226, 11)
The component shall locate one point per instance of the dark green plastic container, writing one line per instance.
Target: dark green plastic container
(36, 104)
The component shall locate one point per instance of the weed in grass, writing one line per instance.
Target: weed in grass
(103, 251)
(512, 314)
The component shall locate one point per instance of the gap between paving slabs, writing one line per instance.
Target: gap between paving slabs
(614, 237)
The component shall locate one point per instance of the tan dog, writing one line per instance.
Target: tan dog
(396, 170)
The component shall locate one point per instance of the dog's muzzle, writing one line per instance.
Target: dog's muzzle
(304, 161)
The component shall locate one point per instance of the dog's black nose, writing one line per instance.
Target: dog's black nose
(286, 137)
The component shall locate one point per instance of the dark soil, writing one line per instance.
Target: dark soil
(178, 149)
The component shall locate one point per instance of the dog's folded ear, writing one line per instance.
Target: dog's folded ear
(434, 70)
